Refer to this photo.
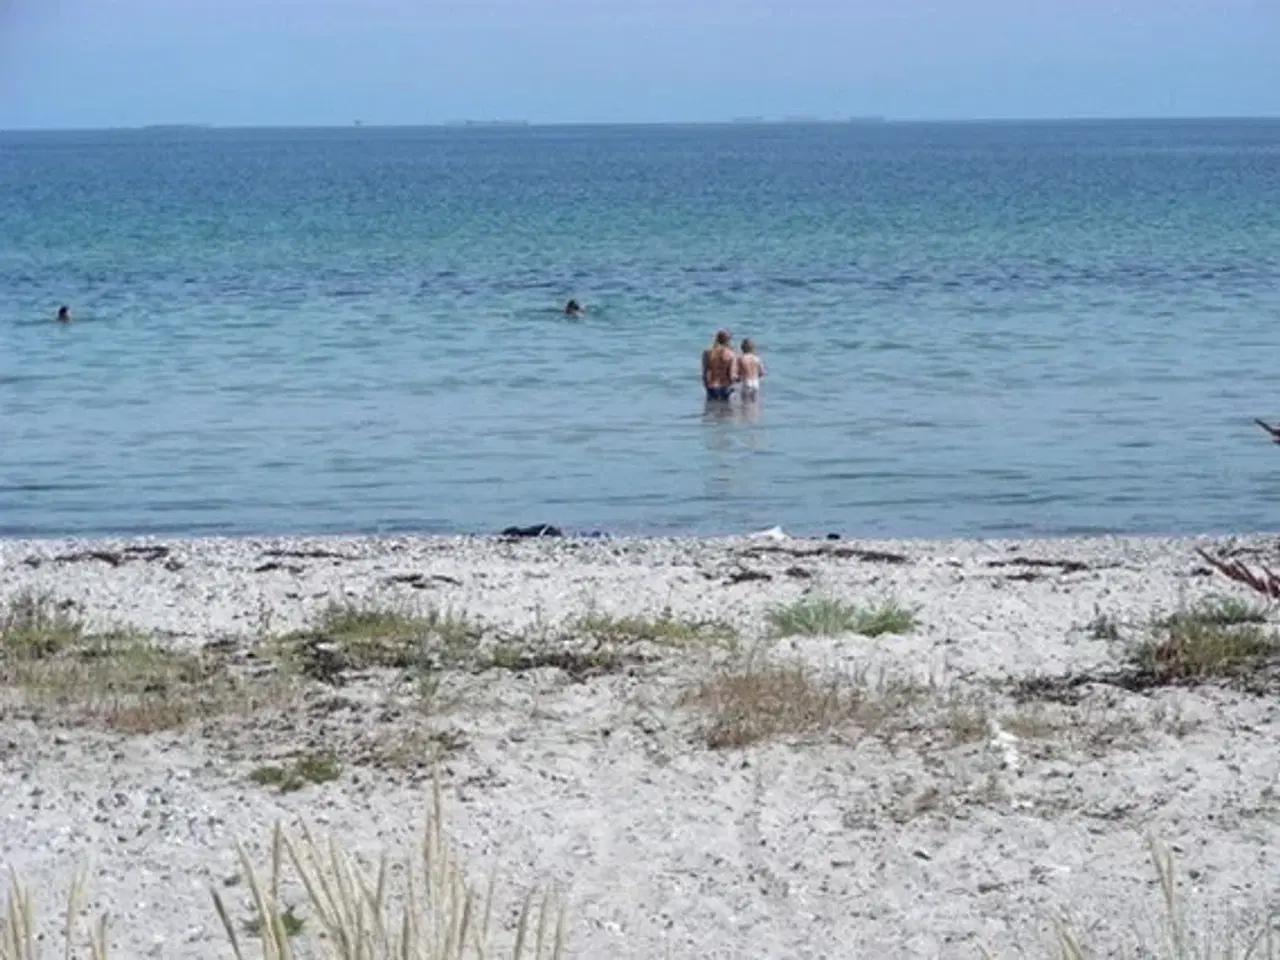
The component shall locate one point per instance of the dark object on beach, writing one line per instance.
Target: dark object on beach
(1264, 580)
(307, 554)
(277, 565)
(800, 573)
(1273, 431)
(1066, 566)
(537, 530)
(112, 558)
(421, 581)
(746, 576)
(840, 553)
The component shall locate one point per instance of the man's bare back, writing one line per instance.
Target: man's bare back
(719, 368)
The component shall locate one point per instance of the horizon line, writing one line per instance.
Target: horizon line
(745, 121)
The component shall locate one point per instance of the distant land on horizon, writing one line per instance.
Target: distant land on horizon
(746, 120)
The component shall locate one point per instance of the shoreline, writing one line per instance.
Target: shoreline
(968, 749)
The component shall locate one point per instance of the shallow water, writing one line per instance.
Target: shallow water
(969, 329)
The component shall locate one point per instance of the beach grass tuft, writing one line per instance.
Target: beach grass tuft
(315, 768)
(1104, 626)
(291, 924)
(1193, 649)
(1216, 612)
(35, 625)
(123, 680)
(1179, 935)
(814, 616)
(420, 905)
(759, 700)
(356, 637)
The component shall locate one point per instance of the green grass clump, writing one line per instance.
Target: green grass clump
(290, 924)
(1190, 649)
(1217, 612)
(829, 617)
(887, 617)
(36, 625)
(310, 769)
(348, 636)
(122, 680)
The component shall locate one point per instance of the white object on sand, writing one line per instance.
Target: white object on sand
(773, 533)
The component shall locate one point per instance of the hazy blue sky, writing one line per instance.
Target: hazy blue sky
(78, 63)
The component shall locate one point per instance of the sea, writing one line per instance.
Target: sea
(969, 330)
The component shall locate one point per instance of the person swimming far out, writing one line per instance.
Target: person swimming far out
(573, 309)
(64, 314)
(720, 368)
(750, 370)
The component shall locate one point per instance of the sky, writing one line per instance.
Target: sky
(119, 63)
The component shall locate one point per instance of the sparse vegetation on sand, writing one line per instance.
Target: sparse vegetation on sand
(1216, 612)
(814, 616)
(759, 700)
(369, 635)
(348, 636)
(1179, 935)
(121, 680)
(425, 906)
(314, 768)
(35, 625)
(1104, 626)
(665, 629)
(1192, 649)
(420, 905)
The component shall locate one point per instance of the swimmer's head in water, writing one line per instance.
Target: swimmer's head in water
(748, 345)
(572, 307)
(723, 338)
(64, 314)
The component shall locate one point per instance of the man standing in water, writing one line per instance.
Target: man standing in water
(720, 368)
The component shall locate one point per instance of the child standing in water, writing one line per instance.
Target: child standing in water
(750, 369)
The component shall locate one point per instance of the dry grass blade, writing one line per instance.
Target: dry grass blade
(441, 917)
(227, 925)
(21, 940)
(1177, 939)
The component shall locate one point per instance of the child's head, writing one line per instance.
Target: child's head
(748, 345)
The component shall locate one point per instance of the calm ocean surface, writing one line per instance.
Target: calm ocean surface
(969, 329)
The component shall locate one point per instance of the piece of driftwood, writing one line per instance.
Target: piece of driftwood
(1066, 566)
(869, 556)
(747, 576)
(1264, 580)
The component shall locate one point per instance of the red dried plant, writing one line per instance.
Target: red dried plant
(1263, 580)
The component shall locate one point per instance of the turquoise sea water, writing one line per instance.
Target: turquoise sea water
(969, 329)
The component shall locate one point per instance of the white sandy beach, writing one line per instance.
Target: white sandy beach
(936, 835)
